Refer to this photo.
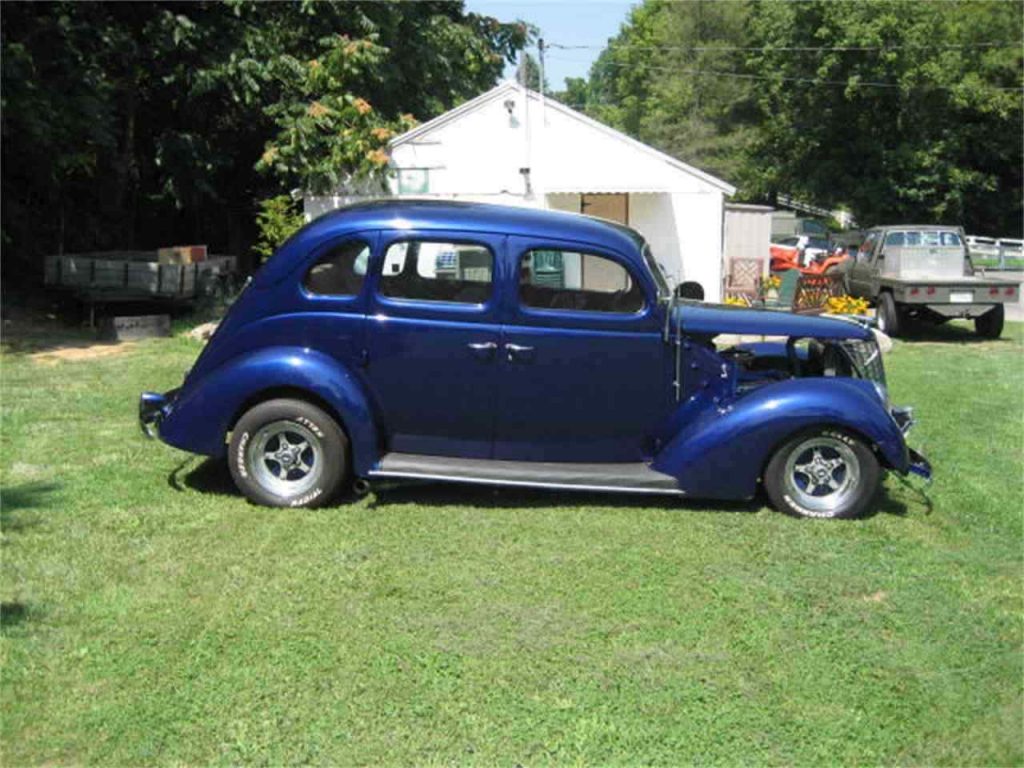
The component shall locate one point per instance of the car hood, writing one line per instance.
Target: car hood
(712, 320)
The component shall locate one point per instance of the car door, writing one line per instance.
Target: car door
(332, 291)
(584, 373)
(860, 275)
(432, 340)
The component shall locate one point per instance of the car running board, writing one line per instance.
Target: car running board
(619, 478)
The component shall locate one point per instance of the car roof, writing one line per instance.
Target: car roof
(462, 216)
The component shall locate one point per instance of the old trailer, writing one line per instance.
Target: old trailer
(108, 277)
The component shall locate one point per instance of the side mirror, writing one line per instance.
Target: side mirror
(690, 290)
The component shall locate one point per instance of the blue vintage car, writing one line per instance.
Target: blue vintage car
(507, 346)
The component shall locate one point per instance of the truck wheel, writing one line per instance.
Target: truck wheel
(990, 325)
(889, 320)
(823, 473)
(288, 453)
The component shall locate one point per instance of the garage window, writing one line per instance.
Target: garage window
(575, 281)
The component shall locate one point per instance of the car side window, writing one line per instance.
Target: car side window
(340, 271)
(428, 270)
(866, 248)
(570, 280)
(895, 239)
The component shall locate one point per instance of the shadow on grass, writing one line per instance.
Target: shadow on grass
(885, 503)
(20, 498)
(492, 497)
(203, 475)
(12, 615)
(211, 476)
(948, 333)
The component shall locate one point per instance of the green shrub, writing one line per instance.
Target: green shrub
(277, 219)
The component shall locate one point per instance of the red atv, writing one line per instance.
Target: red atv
(811, 256)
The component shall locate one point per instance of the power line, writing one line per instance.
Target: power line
(805, 80)
(792, 48)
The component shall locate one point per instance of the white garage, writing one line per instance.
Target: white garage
(513, 146)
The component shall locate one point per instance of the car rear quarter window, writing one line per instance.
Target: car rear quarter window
(429, 270)
(340, 271)
(575, 281)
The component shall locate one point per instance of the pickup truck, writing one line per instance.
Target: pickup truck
(924, 272)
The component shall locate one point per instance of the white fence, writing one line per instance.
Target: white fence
(997, 248)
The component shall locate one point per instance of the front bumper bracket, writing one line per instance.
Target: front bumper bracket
(153, 406)
(920, 466)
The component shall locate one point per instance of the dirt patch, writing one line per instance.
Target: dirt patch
(80, 352)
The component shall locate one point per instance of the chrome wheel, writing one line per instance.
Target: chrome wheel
(821, 474)
(285, 458)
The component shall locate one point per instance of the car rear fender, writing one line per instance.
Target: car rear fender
(205, 410)
(721, 450)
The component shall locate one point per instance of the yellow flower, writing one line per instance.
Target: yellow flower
(316, 109)
(314, 64)
(362, 106)
(381, 133)
(269, 155)
(377, 157)
(846, 305)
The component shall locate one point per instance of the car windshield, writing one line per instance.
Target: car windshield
(656, 272)
(817, 242)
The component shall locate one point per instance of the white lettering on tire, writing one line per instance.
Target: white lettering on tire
(311, 424)
(305, 499)
(240, 456)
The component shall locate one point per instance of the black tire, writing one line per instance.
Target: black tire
(857, 486)
(990, 325)
(259, 433)
(889, 319)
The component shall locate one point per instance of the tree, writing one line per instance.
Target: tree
(142, 124)
(895, 109)
(905, 111)
(659, 81)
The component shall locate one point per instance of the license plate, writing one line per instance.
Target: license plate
(961, 297)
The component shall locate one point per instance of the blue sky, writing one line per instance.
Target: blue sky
(569, 22)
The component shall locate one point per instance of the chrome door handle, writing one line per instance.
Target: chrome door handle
(518, 351)
(483, 348)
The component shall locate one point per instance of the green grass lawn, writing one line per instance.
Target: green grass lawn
(1011, 262)
(152, 616)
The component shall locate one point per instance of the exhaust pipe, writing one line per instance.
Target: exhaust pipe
(361, 486)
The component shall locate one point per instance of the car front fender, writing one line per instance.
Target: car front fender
(721, 449)
(200, 416)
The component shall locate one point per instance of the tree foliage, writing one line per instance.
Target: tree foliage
(143, 124)
(651, 82)
(918, 116)
(278, 219)
(896, 109)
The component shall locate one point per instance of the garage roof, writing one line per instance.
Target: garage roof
(580, 154)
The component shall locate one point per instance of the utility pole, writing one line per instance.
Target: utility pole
(540, 56)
